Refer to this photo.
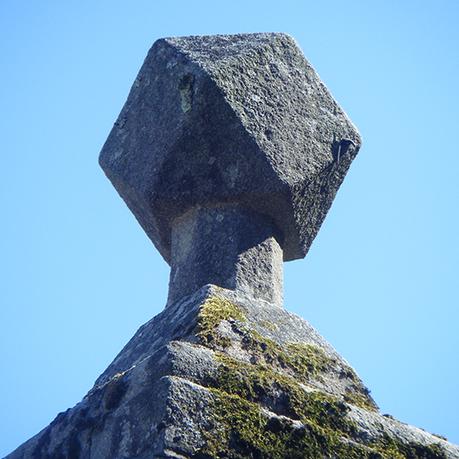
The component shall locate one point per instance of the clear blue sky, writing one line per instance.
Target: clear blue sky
(78, 275)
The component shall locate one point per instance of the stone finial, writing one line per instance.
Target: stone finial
(229, 152)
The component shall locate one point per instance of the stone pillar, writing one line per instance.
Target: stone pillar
(227, 246)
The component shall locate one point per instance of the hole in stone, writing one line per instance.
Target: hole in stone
(342, 147)
(186, 92)
(160, 426)
(114, 393)
(269, 134)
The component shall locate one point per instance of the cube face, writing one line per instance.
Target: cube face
(225, 119)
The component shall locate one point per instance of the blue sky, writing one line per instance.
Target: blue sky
(78, 275)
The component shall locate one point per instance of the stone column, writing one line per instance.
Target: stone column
(227, 246)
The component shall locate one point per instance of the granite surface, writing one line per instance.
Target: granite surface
(163, 394)
(241, 119)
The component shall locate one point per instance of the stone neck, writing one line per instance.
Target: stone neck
(227, 246)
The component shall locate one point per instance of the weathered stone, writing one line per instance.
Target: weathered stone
(240, 120)
(165, 394)
(229, 247)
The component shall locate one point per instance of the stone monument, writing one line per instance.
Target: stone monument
(229, 152)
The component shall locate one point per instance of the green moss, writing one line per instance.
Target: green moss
(241, 388)
(245, 431)
(282, 394)
(360, 396)
(305, 362)
(212, 313)
(242, 429)
(308, 360)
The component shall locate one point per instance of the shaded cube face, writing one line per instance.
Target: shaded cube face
(230, 119)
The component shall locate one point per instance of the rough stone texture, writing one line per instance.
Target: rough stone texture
(160, 396)
(229, 151)
(229, 247)
(230, 119)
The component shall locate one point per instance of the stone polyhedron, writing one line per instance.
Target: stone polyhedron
(235, 123)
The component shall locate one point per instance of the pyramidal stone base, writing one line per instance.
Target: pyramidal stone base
(219, 375)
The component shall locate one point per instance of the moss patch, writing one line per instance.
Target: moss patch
(308, 362)
(306, 424)
(214, 311)
(305, 362)
(245, 431)
(282, 394)
(242, 429)
(360, 397)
